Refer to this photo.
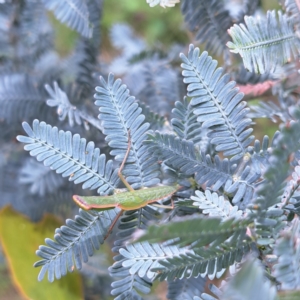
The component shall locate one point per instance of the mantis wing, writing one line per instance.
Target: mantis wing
(128, 200)
(98, 202)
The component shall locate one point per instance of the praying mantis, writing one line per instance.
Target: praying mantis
(130, 200)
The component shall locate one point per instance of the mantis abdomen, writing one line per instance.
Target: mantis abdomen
(128, 200)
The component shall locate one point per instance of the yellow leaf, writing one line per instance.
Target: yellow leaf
(20, 238)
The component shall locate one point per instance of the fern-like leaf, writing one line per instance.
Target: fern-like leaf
(133, 220)
(198, 232)
(129, 44)
(268, 221)
(72, 12)
(260, 153)
(84, 64)
(264, 43)
(286, 144)
(293, 10)
(64, 108)
(35, 27)
(20, 98)
(270, 110)
(185, 288)
(40, 178)
(32, 36)
(129, 223)
(184, 122)
(126, 287)
(155, 120)
(57, 201)
(121, 116)
(142, 257)
(217, 103)
(215, 205)
(70, 156)
(210, 21)
(95, 14)
(182, 156)
(294, 204)
(74, 243)
(243, 77)
(158, 93)
(204, 262)
(249, 7)
(258, 288)
(287, 248)
(275, 112)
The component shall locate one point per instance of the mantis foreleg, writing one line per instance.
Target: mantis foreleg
(109, 230)
(129, 187)
(165, 206)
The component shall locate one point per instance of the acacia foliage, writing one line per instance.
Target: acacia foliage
(239, 195)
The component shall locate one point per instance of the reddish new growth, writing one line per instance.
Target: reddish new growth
(257, 89)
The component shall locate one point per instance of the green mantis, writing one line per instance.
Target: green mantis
(130, 200)
(133, 199)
